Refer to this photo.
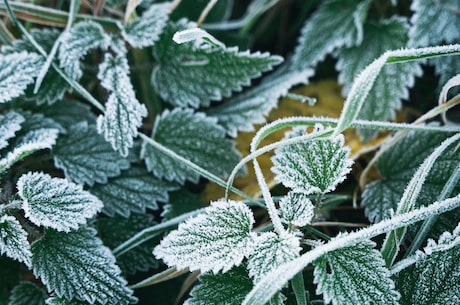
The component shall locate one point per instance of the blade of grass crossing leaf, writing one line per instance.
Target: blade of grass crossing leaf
(298, 287)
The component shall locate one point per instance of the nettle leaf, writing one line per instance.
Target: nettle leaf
(77, 42)
(77, 265)
(193, 136)
(133, 191)
(296, 209)
(13, 240)
(398, 165)
(27, 293)
(354, 275)
(145, 31)
(393, 82)
(138, 259)
(199, 73)
(180, 202)
(68, 113)
(85, 157)
(271, 251)
(434, 278)
(314, 166)
(335, 24)
(434, 22)
(35, 121)
(215, 241)
(241, 112)
(9, 124)
(446, 67)
(55, 202)
(228, 288)
(123, 114)
(61, 301)
(17, 71)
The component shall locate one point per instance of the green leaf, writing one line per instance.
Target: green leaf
(193, 136)
(77, 42)
(9, 124)
(398, 165)
(434, 278)
(123, 114)
(85, 157)
(354, 275)
(314, 166)
(77, 265)
(217, 240)
(271, 251)
(55, 202)
(145, 31)
(68, 112)
(251, 107)
(27, 293)
(296, 209)
(133, 191)
(139, 258)
(199, 73)
(61, 301)
(180, 202)
(446, 68)
(17, 71)
(434, 22)
(13, 240)
(336, 23)
(228, 288)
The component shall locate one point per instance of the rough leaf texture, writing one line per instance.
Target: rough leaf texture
(214, 241)
(355, 275)
(193, 136)
(27, 293)
(68, 113)
(13, 240)
(9, 124)
(61, 301)
(201, 72)
(55, 202)
(85, 157)
(77, 265)
(296, 209)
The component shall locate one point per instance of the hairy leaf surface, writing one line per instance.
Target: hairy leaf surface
(214, 241)
(77, 265)
(85, 157)
(193, 136)
(199, 73)
(68, 113)
(9, 124)
(27, 293)
(62, 301)
(13, 240)
(296, 209)
(355, 275)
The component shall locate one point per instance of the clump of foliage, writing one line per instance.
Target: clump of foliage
(114, 116)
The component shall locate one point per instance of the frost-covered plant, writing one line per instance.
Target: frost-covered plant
(114, 114)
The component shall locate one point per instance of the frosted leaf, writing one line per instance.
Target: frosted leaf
(241, 112)
(139, 258)
(27, 293)
(354, 275)
(193, 136)
(296, 209)
(200, 73)
(434, 22)
(314, 166)
(446, 67)
(35, 121)
(76, 43)
(68, 113)
(228, 288)
(271, 251)
(133, 191)
(77, 265)
(13, 240)
(61, 301)
(17, 71)
(9, 124)
(29, 143)
(123, 114)
(335, 24)
(145, 31)
(215, 241)
(45, 37)
(55, 202)
(85, 157)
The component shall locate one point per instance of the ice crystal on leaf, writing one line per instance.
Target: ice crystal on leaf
(355, 275)
(123, 114)
(9, 124)
(27, 293)
(314, 166)
(215, 241)
(77, 265)
(62, 301)
(13, 240)
(296, 209)
(199, 73)
(55, 202)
